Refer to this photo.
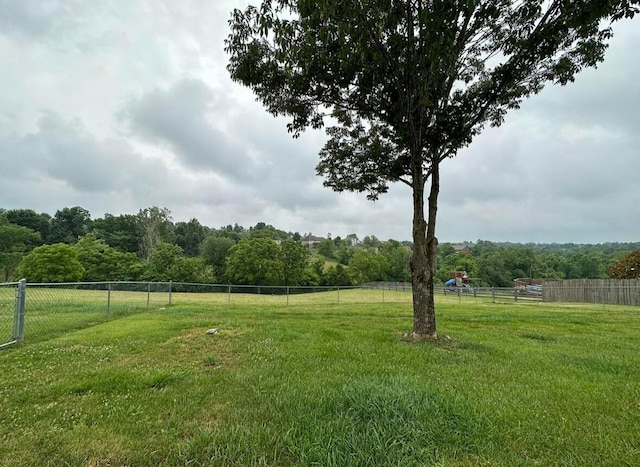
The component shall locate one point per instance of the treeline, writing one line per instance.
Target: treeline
(150, 246)
(498, 264)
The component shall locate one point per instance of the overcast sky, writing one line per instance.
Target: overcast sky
(118, 105)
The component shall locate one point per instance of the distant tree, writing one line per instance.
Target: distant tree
(231, 232)
(366, 266)
(163, 258)
(494, 272)
(316, 264)
(337, 275)
(155, 227)
(371, 241)
(262, 230)
(264, 233)
(29, 218)
(589, 265)
(103, 263)
(189, 270)
(189, 236)
(408, 84)
(627, 268)
(444, 250)
(549, 266)
(15, 242)
(343, 254)
(352, 240)
(457, 262)
(121, 232)
(294, 257)
(398, 259)
(327, 248)
(255, 261)
(52, 263)
(68, 225)
(214, 253)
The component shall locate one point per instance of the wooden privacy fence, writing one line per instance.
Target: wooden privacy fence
(605, 291)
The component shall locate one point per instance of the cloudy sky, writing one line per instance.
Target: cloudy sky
(118, 105)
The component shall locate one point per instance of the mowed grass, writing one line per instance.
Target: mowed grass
(328, 384)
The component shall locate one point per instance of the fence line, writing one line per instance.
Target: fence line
(605, 291)
(39, 311)
(9, 304)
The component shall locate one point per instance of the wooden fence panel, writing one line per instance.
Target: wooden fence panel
(605, 291)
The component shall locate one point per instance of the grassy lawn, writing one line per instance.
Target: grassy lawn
(328, 384)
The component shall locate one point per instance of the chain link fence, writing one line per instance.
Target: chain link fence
(8, 303)
(32, 312)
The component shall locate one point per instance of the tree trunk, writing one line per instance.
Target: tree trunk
(424, 253)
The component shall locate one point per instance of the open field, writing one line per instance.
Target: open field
(328, 384)
(52, 310)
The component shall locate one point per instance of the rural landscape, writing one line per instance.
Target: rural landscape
(330, 377)
(458, 286)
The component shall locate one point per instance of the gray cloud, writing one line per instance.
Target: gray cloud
(28, 17)
(125, 104)
(180, 118)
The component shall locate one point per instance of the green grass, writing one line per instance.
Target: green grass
(328, 384)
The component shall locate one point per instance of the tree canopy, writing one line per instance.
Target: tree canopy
(408, 83)
(52, 263)
(627, 268)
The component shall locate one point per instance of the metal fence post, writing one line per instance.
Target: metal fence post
(493, 294)
(170, 283)
(287, 296)
(148, 293)
(229, 296)
(18, 320)
(108, 301)
(338, 294)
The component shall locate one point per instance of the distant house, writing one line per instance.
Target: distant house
(311, 241)
(462, 249)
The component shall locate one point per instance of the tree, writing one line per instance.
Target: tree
(627, 268)
(398, 258)
(294, 257)
(120, 232)
(30, 219)
(15, 242)
(255, 261)
(337, 275)
(52, 263)
(366, 266)
(327, 248)
(155, 227)
(189, 236)
(103, 263)
(408, 84)
(168, 262)
(162, 260)
(68, 225)
(189, 270)
(214, 253)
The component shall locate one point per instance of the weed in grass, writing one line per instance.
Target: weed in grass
(211, 360)
(538, 337)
